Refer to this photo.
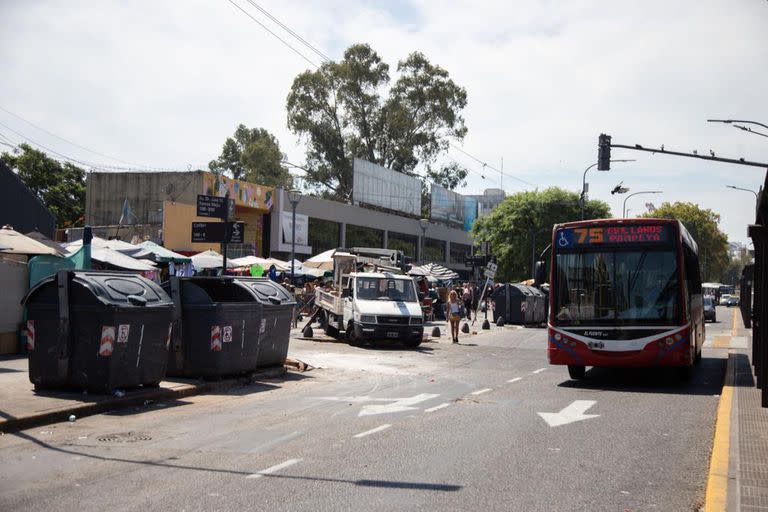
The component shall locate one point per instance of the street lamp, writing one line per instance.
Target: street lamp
(745, 128)
(294, 196)
(734, 187)
(624, 208)
(423, 223)
(584, 183)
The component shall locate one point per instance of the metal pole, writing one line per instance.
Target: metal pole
(533, 252)
(583, 189)
(224, 248)
(293, 238)
(624, 207)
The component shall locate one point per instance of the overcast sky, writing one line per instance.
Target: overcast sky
(163, 83)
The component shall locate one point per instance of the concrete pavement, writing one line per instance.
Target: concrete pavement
(449, 427)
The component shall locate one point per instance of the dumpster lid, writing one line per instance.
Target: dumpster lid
(113, 288)
(267, 291)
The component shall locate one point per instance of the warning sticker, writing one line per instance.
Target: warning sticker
(30, 335)
(107, 343)
(215, 338)
(227, 334)
(123, 330)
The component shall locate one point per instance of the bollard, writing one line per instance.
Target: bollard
(465, 328)
(500, 321)
(486, 324)
(435, 332)
(307, 332)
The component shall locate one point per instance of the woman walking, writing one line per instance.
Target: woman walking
(452, 310)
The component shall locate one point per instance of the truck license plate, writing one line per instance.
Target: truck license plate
(392, 335)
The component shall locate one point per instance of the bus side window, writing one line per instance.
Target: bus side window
(692, 274)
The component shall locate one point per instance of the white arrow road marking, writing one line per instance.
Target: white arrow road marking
(571, 413)
(539, 370)
(275, 468)
(398, 405)
(481, 391)
(515, 379)
(372, 431)
(438, 407)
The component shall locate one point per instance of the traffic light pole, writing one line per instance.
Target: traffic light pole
(737, 161)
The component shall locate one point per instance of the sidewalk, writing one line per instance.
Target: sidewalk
(21, 407)
(738, 476)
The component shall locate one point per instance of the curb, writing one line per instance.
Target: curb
(717, 478)
(133, 399)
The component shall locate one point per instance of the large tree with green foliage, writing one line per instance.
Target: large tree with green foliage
(253, 154)
(521, 218)
(60, 186)
(348, 109)
(703, 226)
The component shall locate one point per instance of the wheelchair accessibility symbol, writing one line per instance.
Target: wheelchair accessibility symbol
(564, 239)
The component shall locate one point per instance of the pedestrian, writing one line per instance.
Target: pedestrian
(452, 309)
(466, 297)
(273, 273)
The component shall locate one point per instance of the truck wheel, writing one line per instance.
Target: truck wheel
(329, 329)
(351, 338)
(576, 372)
(412, 343)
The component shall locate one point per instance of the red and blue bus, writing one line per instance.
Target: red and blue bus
(624, 293)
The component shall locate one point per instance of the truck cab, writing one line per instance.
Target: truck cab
(382, 305)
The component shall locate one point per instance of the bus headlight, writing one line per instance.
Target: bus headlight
(558, 336)
(669, 341)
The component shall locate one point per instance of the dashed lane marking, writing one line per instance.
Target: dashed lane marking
(539, 370)
(481, 391)
(372, 431)
(437, 407)
(275, 468)
(515, 379)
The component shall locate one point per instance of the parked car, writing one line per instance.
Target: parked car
(709, 309)
(724, 299)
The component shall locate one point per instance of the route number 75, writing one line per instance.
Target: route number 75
(595, 235)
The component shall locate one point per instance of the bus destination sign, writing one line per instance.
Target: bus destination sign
(612, 235)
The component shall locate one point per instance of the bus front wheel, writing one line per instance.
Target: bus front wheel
(576, 371)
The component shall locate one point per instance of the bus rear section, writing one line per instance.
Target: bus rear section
(623, 294)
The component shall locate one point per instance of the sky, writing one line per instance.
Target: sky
(162, 84)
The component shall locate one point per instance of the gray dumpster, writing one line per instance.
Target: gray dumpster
(97, 331)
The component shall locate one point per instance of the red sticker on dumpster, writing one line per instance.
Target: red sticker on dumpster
(215, 338)
(30, 335)
(107, 343)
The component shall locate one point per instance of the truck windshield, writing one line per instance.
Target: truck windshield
(616, 288)
(384, 288)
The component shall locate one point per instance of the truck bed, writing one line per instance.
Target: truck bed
(329, 301)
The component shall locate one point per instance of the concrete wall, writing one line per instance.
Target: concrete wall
(349, 214)
(145, 191)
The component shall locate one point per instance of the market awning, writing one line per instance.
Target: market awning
(210, 259)
(16, 243)
(120, 260)
(434, 270)
(160, 254)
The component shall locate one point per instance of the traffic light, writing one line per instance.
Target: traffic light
(604, 153)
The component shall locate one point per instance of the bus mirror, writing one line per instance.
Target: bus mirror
(540, 276)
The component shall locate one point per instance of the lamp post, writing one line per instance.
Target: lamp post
(294, 196)
(584, 183)
(734, 187)
(423, 223)
(743, 121)
(624, 208)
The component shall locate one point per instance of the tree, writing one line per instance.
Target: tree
(60, 186)
(524, 217)
(734, 268)
(702, 224)
(253, 155)
(343, 110)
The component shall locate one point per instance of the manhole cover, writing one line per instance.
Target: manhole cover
(124, 437)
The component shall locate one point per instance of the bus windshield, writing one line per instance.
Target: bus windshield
(616, 287)
(383, 288)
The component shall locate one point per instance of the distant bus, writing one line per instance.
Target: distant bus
(624, 293)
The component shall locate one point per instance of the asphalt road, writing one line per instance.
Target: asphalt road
(446, 427)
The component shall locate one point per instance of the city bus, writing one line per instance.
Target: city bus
(624, 293)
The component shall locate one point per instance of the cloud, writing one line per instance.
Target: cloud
(165, 82)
